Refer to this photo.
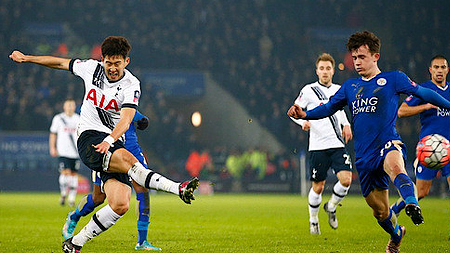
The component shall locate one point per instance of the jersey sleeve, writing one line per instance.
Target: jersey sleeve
(54, 126)
(404, 85)
(343, 118)
(301, 101)
(138, 116)
(132, 95)
(413, 101)
(83, 68)
(432, 97)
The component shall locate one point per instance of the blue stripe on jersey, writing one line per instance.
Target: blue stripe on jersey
(433, 121)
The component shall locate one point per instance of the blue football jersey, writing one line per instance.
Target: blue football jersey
(433, 121)
(373, 105)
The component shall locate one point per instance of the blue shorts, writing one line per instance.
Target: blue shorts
(424, 173)
(371, 170)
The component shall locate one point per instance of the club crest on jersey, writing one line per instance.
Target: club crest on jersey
(112, 104)
(382, 82)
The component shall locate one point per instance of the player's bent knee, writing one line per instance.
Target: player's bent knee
(381, 215)
(120, 207)
(346, 182)
(318, 187)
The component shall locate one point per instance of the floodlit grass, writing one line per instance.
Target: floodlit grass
(32, 222)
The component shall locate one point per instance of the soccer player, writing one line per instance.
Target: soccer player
(62, 144)
(327, 140)
(373, 102)
(97, 197)
(433, 120)
(111, 98)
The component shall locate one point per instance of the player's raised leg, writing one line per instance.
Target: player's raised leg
(378, 200)
(394, 166)
(124, 162)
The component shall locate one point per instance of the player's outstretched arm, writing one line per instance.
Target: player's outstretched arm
(432, 97)
(48, 61)
(405, 110)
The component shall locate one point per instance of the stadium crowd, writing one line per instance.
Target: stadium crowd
(261, 51)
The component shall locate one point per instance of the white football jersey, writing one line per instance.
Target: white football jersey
(325, 133)
(65, 128)
(103, 100)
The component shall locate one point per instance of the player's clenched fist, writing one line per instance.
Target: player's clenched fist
(17, 56)
(296, 112)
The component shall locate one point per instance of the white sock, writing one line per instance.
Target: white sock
(152, 180)
(339, 192)
(100, 222)
(314, 201)
(63, 184)
(73, 186)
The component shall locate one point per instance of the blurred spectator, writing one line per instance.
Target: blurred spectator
(193, 164)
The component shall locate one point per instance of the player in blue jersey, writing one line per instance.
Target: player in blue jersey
(97, 197)
(373, 101)
(433, 120)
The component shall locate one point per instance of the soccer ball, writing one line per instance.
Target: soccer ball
(433, 151)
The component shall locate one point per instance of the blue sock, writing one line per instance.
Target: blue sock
(143, 199)
(391, 226)
(405, 187)
(85, 207)
(398, 206)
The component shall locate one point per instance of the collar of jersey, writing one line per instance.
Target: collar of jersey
(442, 88)
(367, 80)
(323, 85)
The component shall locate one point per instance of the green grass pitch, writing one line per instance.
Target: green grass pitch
(32, 222)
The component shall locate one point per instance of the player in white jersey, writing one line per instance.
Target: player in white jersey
(110, 102)
(62, 144)
(327, 140)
